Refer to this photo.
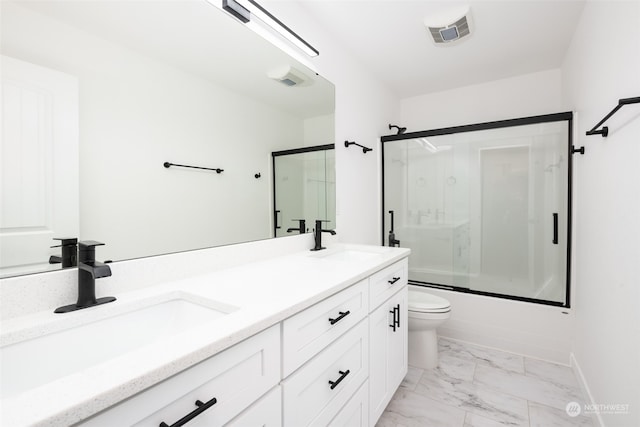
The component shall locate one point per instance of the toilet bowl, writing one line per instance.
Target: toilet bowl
(426, 312)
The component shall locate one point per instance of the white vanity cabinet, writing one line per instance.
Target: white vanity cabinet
(387, 336)
(236, 378)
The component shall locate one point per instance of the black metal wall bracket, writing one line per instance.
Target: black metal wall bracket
(168, 165)
(575, 150)
(364, 149)
(604, 132)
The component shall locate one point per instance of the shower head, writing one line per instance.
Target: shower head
(400, 130)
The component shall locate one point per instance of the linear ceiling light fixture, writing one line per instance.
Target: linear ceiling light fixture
(245, 9)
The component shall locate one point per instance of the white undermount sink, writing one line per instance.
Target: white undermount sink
(38, 361)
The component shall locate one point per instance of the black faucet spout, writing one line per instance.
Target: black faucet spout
(96, 269)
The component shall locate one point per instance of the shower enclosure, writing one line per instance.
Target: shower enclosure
(485, 208)
(304, 187)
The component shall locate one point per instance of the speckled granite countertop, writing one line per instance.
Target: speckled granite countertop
(258, 295)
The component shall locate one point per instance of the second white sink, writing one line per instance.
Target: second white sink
(34, 362)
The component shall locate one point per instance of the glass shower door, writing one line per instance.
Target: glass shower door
(304, 187)
(484, 211)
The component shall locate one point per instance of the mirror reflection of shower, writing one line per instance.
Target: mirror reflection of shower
(479, 209)
(304, 188)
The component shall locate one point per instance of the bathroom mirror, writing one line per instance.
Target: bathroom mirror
(103, 93)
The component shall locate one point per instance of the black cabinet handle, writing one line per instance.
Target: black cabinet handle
(201, 407)
(555, 228)
(342, 314)
(334, 384)
(396, 317)
(395, 279)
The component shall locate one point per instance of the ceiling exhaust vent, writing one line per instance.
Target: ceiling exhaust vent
(449, 27)
(288, 76)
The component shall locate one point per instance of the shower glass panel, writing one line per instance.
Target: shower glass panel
(484, 208)
(304, 186)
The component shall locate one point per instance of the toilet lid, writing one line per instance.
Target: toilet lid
(424, 302)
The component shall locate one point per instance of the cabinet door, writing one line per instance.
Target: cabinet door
(266, 412)
(388, 351)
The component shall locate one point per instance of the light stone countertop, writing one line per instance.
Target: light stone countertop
(264, 294)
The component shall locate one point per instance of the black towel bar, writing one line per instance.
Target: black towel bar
(605, 130)
(168, 165)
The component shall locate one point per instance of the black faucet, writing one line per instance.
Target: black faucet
(88, 271)
(392, 235)
(302, 228)
(69, 256)
(317, 234)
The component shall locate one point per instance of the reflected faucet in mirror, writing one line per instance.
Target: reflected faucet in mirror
(302, 228)
(317, 234)
(88, 271)
(69, 256)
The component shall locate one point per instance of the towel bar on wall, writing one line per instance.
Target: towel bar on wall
(217, 170)
(605, 130)
(364, 149)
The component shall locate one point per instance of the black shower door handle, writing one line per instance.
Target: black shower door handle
(555, 228)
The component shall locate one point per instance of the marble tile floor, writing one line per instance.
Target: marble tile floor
(480, 387)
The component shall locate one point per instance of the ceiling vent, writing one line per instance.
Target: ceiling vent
(450, 26)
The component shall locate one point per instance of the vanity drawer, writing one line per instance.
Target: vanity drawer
(308, 397)
(308, 332)
(235, 378)
(387, 282)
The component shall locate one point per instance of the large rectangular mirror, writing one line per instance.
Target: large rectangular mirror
(98, 95)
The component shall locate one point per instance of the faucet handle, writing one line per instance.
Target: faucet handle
(65, 241)
(86, 244)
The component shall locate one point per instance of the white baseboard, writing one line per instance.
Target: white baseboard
(596, 417)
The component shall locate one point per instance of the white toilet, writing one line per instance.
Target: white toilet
(426, 313)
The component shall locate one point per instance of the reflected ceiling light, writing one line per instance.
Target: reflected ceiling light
(246, 10)
(424, 143)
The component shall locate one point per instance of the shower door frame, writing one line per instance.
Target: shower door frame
(522, 121)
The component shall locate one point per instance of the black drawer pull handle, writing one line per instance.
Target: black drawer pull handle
(396, 317)
(201, 407)
(339, 318)
(335, 383)
(395, 279)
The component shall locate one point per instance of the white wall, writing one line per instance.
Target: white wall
(364, 108)
(521, 96)
(137, 113)
(602, 66)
